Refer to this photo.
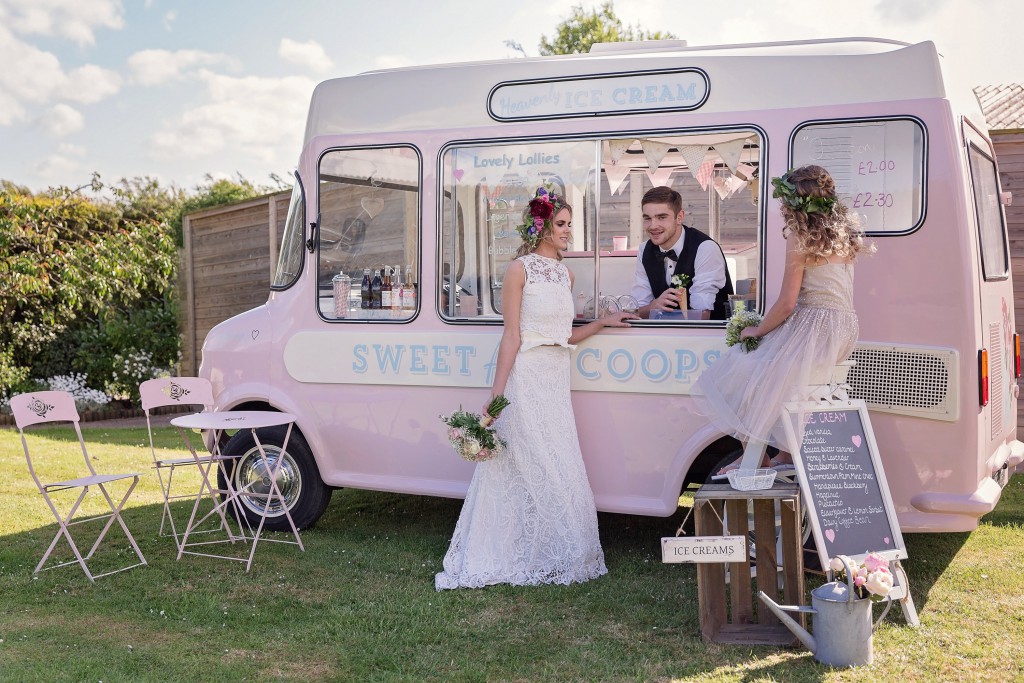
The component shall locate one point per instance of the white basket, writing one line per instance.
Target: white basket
(751, 480)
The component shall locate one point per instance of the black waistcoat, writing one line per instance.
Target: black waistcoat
(684, 265)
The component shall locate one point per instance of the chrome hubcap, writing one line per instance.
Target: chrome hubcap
(253, 476)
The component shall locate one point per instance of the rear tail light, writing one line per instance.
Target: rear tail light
(983, 376)
(1016, 355)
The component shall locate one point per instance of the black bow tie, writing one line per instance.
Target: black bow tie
(670, 254)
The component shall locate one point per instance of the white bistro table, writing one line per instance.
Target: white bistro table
(218, 423)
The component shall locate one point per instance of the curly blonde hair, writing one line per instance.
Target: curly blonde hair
(836, 232)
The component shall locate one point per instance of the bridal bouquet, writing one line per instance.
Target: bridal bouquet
(871, 578)
(472, 436)
(740, 320)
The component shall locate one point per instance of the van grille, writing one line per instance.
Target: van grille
(995, 378)
(906, 380)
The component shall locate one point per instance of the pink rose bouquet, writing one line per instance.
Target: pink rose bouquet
(871, 578)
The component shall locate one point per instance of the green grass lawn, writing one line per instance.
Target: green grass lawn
(359, 604)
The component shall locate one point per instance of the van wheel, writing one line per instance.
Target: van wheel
(304, 492)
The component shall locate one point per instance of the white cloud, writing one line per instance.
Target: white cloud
(258, 118)
(68, 161)
(76, 20)
(169, 19)
(90, 83)
(393, 61)
(152, 67)
(62, 120)
(34, 77)
(310, 54)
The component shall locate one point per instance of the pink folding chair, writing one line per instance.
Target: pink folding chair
(175, 391)
(59, 406)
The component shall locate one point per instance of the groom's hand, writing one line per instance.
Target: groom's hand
(668, 301)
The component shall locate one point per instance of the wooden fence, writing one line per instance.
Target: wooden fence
(227, 263)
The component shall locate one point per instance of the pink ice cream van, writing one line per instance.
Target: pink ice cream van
(385, 310)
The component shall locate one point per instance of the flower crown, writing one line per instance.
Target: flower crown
(786, 191)
(538, 214)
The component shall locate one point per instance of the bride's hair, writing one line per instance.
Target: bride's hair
(829, 228)
(530, 246)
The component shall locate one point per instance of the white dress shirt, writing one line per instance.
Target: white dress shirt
(708, 274)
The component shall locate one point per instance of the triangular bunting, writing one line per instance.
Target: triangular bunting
(704, 173)
(694, 155)
(654, 152)
(661, 176)
(615, 173)
(730, 152)
(726, 186)
(745, 171)
(616, 148)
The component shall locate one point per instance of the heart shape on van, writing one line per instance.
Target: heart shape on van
(372, 206)
(830, 534)
(886, 539)
(255, 333)
(856, 440)
(458, 173)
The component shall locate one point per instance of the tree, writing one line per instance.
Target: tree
(583, 28)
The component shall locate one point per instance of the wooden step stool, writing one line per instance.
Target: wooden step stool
(732, 618)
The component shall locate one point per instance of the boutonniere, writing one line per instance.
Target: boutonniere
(681, 280)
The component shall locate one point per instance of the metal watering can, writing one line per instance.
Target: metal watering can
(842, 623)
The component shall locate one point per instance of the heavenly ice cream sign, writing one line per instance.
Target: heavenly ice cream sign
(650, 91)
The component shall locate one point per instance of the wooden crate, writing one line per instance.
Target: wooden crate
(730, 611)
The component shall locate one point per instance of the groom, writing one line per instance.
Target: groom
(674, 248)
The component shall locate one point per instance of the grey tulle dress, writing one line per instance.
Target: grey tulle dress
(742, 393)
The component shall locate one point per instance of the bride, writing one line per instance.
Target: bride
(529, 515)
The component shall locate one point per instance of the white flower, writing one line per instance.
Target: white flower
(879, 582)
(471, 446)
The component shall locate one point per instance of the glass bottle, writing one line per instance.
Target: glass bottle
(375, 285)
(396, 290)
(409, 293)
(385, 290)
(364, 301)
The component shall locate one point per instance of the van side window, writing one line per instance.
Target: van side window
(878, 166)
(368, 229)
(289, 261)
(991, 227)
(487, 188)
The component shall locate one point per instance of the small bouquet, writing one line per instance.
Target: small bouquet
(471, 435)
(681, 281)
(871, 578)
(740, 320)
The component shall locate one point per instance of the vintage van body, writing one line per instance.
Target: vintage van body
(429, 168)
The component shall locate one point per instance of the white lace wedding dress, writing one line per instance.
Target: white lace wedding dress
(529, 515)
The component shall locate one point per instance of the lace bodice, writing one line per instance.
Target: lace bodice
(829, 285)
(547, 310)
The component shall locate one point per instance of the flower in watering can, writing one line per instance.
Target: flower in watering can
(879, 582)
(871, 578)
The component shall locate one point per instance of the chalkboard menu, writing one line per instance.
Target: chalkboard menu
(842, 481)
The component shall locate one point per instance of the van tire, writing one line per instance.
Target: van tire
(299, 481)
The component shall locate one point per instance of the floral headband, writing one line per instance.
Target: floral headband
(542, 208)
(786, 191)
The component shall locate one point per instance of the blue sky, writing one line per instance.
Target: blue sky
(179, 90)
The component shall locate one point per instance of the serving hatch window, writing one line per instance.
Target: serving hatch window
(487, 187)
(368, 227)
(878, 166)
